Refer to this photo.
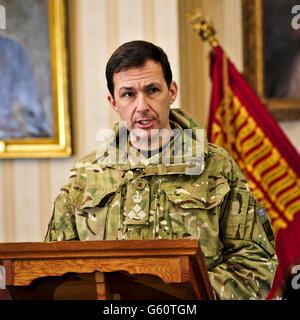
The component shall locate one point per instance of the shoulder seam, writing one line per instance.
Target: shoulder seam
(218, 150)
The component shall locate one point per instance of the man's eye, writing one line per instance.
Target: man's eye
(153, 90)
(127, 94)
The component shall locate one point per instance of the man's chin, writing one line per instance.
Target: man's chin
(149, 139)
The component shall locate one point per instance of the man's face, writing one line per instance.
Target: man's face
(142, 98)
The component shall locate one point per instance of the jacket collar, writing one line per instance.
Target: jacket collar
(185, 153)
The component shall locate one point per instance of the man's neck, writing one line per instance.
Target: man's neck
(154, 144)
(157, 140)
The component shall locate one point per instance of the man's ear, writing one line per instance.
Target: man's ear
(173, 91)
(112, 102)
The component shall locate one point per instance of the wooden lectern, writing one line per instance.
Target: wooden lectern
(126, 270)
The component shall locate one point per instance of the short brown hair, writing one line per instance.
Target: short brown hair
(134, 54)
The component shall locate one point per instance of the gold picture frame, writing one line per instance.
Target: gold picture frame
(58, 145)
(281, 108)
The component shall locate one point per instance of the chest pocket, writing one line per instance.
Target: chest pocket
(91, 222)
(194, 213)
(91, 209)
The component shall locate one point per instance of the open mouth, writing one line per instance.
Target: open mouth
(145, 123)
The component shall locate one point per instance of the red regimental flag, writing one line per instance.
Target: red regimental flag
(240, 123)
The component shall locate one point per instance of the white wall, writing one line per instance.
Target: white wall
(97, 27)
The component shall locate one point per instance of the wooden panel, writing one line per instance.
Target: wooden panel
(107, 248)
(168, 269)
(146, 287)
(121, 285)
(31, 268)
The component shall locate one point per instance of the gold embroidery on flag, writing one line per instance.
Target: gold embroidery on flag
(271, 180)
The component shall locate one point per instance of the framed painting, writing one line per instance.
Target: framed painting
(34, 77)
(271, 42)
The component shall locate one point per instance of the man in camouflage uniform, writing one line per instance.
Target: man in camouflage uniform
(185, 187)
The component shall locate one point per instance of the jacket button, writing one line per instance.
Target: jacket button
(140, 184)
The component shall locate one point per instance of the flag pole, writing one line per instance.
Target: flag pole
(203, 26)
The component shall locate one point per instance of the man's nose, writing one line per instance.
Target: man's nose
(141, 103)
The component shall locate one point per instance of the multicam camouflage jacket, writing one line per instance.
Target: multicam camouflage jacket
(118, 193)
